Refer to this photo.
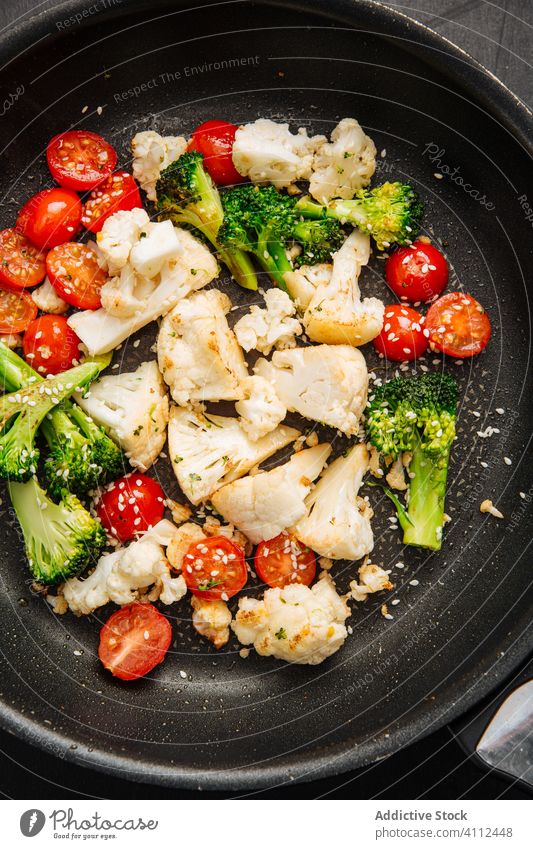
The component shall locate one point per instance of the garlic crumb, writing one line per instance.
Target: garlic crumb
(488, 507)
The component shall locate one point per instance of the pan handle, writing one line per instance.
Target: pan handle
(500, 735)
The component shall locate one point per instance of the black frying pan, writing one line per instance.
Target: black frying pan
(235, 723)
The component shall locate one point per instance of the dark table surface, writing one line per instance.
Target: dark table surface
(499, 34)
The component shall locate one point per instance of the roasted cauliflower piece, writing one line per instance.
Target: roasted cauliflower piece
(324, 383)
(198, 354)
(345, 164)
(264, 505)
(298, 624)
(211, 619)
(336, 314)
(133, 408)
(209, 451)
(337, 524)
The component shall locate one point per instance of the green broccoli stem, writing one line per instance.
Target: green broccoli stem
(35, 404)
(14, 371)
(59, 423)
(427, 492)
(236, 261)
(273, 259)
(341, 210)
(61, 540)
(239, 265)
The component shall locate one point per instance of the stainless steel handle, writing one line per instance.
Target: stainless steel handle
(507, 742)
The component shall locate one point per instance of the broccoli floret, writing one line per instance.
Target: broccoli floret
(260, 220)
(319, 240)
(62, 539)
(391, 213)
(21, 414)
(187, 195)
(82, 455)
(418, 415)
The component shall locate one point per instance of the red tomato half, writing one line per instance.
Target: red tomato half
(17, 311)
(21, 263)
(80, 160)
(403, 337)
(214, 568)
(458, 325)
(50, 345)
(74, 272)
(131, 505)
(134, 640)
(284, 560)
(417, 273)
(214, 139)
(50, 217)
(119, 191)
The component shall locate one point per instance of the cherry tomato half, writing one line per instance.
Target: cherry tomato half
(458, 325)
(80, 160)
(214, 139)
(214, 568)
(118, 191)
(74, 273)
(134, 640)
(50, 345)
(131, 505)
(21, 263)
(50, 217)
(17, 311)
(403, 337)
(284, 560)
(417, 273)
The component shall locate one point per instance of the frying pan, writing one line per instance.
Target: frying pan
(462, 621)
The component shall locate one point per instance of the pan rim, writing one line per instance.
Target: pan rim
(341, 757)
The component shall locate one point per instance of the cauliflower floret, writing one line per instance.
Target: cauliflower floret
(126, 574)
(159, 245)
(123, 295)
(193, 268)
(209, 451)
(47, 299)
(198, 354)
(135, 301)
(133, 407)
(273, 327)
(263, 505)
(153, 153)
(336, 314)
(337, 524)
(372, 579)
(118, 235)
(325, 383)
(261, 410)
(344, 165)
(302, 282)
(184, 536)
(212, 620)
(395, 476)
(268, 152)
(298, 624)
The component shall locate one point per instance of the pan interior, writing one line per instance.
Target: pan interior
(216, 718)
